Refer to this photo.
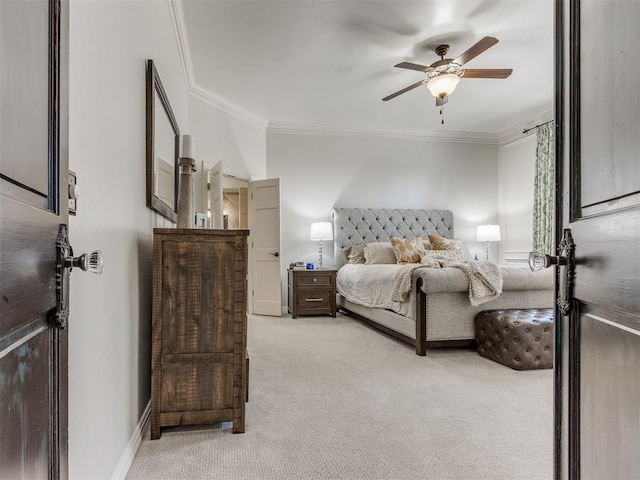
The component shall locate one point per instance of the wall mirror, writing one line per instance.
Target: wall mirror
(162, 149)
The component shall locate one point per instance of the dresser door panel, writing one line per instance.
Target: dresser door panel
(199, 328)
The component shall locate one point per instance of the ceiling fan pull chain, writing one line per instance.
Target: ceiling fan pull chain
(442, 114)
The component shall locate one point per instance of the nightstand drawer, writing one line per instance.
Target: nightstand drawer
(315, 279)
(312, 292)
(314, 299)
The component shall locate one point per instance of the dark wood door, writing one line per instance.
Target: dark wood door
(598, 108)
(33, 176)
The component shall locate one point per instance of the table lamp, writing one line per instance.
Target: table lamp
(488, 233)
(321, 231)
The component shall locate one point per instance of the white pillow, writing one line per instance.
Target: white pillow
(429, 256)
(379, 253)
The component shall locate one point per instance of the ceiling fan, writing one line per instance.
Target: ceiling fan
(443, 76)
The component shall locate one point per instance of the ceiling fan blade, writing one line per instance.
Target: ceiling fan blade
(487, 72)
(404, 90)
(413, 66)
(442, 101)
(475, 50)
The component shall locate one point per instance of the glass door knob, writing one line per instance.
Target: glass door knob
(91, 262)
(538, 261)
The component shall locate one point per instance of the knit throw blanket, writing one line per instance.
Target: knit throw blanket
(485, 280)
(402, 282)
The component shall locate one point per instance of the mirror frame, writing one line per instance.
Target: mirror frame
(154, 88)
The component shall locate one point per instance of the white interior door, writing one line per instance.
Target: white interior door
(214, 195)
(264, 248)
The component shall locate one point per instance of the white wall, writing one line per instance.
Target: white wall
(223, 137)
(516, 176)
(318, 172)
(110, 322)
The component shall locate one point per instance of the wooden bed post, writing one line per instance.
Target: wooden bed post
(421, 319)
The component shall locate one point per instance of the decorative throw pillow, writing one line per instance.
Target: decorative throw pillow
(430, 262)
(379, 253)
(441, 243)
(430, 256)
(407, 250)
(355, 254)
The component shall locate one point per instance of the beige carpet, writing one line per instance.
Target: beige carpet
(334, 399)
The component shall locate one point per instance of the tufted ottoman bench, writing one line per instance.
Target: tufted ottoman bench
(518, 338)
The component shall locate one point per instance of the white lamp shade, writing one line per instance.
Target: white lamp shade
(443, 85)
(488, 233)
(321, 231)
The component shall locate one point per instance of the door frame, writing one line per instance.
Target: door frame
(559, 367)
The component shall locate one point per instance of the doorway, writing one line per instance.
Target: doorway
(235, 203)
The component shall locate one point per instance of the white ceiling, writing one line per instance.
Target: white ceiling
(318, 63)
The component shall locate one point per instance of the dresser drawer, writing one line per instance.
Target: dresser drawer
(314, 299)
(314, 279)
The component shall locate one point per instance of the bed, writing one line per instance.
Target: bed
(437, 311)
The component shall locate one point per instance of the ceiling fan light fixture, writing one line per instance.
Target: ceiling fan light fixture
(443, 85)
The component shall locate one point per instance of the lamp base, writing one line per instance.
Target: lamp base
(487, 252)
(320, 255)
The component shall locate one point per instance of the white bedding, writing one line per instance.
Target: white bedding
(371, 286)
(389, 285)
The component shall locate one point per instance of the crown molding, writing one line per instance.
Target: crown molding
(515, 133)
(511, 135)
(225, 105)
(198, 91)
(180, 30)
(345, 131)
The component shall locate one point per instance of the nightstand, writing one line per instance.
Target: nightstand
(312, 292)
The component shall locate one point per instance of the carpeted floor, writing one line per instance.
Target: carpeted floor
(334, 399)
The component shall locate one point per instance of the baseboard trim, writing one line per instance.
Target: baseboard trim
(126, 459)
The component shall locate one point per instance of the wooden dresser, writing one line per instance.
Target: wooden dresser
(199, 328)
(312, 292)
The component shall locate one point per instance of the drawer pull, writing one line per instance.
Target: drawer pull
(314, 299)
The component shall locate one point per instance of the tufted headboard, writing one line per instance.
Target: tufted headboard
(356, 226)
